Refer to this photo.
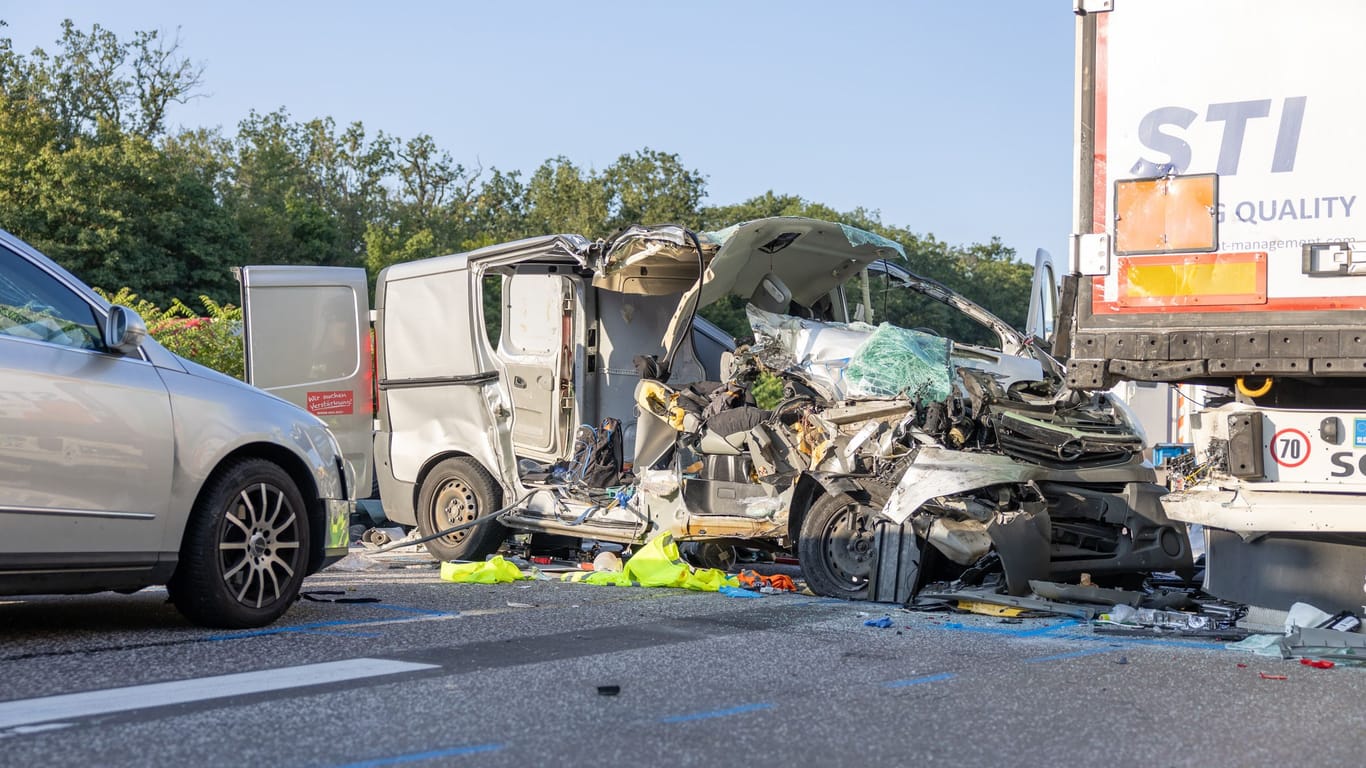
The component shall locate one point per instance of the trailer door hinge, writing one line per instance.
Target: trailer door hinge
(1091, 254)
(1083, 7)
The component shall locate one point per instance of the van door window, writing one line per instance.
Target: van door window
(492, 297)
(35, 305)
(323, 318)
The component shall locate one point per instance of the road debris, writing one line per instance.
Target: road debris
(729, 591)
(658, 564)
(495, 570)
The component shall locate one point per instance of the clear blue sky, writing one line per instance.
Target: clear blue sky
(951, 118)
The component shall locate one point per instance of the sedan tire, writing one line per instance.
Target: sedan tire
(246, 548)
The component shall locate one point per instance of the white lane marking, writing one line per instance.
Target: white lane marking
(74, 705)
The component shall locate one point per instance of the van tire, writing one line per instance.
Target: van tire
(456, 491)
(246, 548)
(836, 546)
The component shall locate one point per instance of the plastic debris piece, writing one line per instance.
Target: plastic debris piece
(1242, 665)
(608, 562)
(1345, 621)
(762, 506)
(1305, 615)
(1318, 663)
(737, 592)
(1122, 660)
(658, 482)
(1265, 676)
(315, 596)
(609, 690)
(1262, 645)
(883, 623)
(1124, 614)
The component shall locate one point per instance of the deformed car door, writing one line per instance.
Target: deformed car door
(307, 337)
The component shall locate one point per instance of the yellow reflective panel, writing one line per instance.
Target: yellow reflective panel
(1166, 215)
(1209, 279)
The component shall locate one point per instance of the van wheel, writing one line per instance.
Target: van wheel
(836, 546)
(245, 550)
(457, 491)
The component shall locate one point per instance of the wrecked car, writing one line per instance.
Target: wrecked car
(599, 405)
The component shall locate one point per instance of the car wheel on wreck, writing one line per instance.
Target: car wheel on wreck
(245, 550)
(837, 545)
(457, 491)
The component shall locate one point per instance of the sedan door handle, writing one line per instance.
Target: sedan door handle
(519, 382)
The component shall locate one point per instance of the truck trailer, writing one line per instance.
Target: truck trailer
(1218, 241)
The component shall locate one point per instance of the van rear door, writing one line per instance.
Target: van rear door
(307, 337)
(537, 350)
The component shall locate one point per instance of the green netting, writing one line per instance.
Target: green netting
(896, 361)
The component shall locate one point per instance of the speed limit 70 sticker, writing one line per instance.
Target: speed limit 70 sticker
(1290, 448)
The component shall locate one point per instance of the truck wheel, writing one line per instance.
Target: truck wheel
(835, 546)
(457, 491)
(245, 549)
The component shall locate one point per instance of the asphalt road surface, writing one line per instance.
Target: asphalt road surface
(514, 674)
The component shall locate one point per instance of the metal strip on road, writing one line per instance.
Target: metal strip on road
(111, 700)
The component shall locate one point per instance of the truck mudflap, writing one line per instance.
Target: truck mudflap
(1327, 571)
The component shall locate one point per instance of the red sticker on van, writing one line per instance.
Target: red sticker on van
(338, 403)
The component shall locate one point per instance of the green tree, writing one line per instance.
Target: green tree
(649, 187)
(95, 85)
(561, 198)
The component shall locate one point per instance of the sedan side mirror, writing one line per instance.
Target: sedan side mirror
(124, 330)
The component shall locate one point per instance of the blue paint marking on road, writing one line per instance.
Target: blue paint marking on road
(326, 625)
(919, 680)
(1036, 632)
(1163, 642)
(335, 633)
(1072, 655)
(1061, 631)
(716, 713)
(431, 755)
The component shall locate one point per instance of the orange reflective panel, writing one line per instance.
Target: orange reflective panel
(1166, 215)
